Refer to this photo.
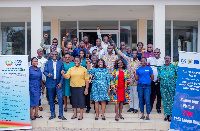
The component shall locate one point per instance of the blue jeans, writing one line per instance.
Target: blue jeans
(144, 92)
(59, 92)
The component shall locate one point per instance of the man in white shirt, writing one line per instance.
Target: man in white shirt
(100, 50)
(155, 62)
(47, 47)
(41, 65)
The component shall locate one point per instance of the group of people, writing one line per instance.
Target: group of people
(101, 73)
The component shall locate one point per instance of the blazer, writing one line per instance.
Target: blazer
(49, 69)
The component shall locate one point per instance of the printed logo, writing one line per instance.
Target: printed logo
(9, 62)
(190, 61)
(183, 61)
(18, 62)
(196, 61)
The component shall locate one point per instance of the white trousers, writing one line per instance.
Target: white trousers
(41, 99)
(134, 97)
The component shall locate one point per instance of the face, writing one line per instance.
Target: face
(140, 46)
(69, 45)
(67, 58)
(120, 64)
(34, 62)
(81, 54)
(94, 59)
(94, 52)
(157, 53)
(66, 50)
(143, 62)
(122, 46)
(167, 60)
(105, 39)
(100, 64)
(82, 44)
(75, 40)
(149, 47)
(53, 48)
(134, 54)
(109, 49)
(85, 39)
(40, 52)
(128, 49)
(77, 62)
(54, 55)
(55, 42)
(98, 42)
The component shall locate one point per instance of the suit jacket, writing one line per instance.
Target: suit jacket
(49, 69)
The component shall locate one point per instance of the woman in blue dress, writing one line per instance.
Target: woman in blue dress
(35, 84)
(66, 83)
(100, 87)
(82, 55)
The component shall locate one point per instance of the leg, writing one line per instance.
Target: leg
(81, 114)
(41, 102)
(158, 105)
(51, 93)
(141, 98)
(31, 113)
(165, 95)
(135, 98)
(87, 99)
(97, 109)
(132, 99)
(152, 94)
(116, 110)
(75, 112)
(60, 100)
(65, 102)
(103, 108)
(120, 109)
(147, 92)
(36, 111)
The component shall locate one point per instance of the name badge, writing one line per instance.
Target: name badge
(146, 70)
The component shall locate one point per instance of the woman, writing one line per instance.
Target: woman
(140, 50)
(144, 76)
(167, 78)
(120, 85)
(82, 55)
(79, 83)
(69, 46)
(66, 84)
(35, 82)
(100, 86)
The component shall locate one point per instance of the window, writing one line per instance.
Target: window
(92, 25)
(149, 31)
(168, 37)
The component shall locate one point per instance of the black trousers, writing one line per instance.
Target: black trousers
(87, 97)
(155, 89)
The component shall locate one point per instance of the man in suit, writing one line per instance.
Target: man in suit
(54, 81)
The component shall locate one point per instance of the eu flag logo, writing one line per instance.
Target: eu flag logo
(196, 61)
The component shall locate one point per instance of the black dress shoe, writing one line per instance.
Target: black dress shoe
(55, 102)
(158, 110)
(131, 109)
(135, 111)
(62, 117)
(88, 111)
(54, 116)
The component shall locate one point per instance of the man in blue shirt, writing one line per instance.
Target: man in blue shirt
(81, 47)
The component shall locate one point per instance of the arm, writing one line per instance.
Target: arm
(62, 68)
(122, 54)
(99, 34)
(67, 75)
(128, 81)
(63, 44)
(152, 77)
(136, 75)
(46, 72)
(45, 47)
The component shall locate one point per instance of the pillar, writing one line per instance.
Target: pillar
(142, 31)
(55, 30)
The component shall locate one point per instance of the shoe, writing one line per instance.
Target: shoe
(65, 110)
(33, 118)
(121, 118)
(147, 118)
(96, 118)
(40, 108)
(88, 111)
(131, 109)
(104, 119)
(116, 119)
(73, 117)
(38, 116)
(135, 111)
(165, 119)
(80, 118)
(142, 118)
(62, 117)
(169, 120)
(55, 102)
(53, 116)
(159, 111)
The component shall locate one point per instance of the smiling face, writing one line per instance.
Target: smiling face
(52, 48)
(110, 49)
(143, 62)
(134, 54)
(122, 46)
(75, 40)
(77, 62)
(120, 64)
(100, 64)
(66, 50)
(69, 45)
(34, 62)
(157, 53)
(55, 42)
(54, 55)
(105, 39)
(85, 39)
(128, 50)
(40, 52)
(140, 46)
(98, 42)
(81, 54)
(167, 60)
(67, 58)
(149, 48)
(94, 59)
(82, 45)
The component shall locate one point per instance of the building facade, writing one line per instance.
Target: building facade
(171, 25)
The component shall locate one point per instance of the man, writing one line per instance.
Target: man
(75, 43)
(155, 62)
(66, 51)
(123, 47)
(48, 56)
(128, 53)
(110, 59)
(149, 52)
(86, 41)
(100, 50)
(54, 81)
(81, 47)
(47, 47)
(41, 65)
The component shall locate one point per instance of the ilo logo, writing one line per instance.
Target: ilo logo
(183, 61)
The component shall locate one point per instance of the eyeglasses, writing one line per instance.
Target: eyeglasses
(67, 57)
(157, 52)
(55, 42)
(85, 38)
(53, 47)
(54, 54)
(143, 61)
(149, 47)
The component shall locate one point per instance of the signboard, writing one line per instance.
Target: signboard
(14, 92)
(186, 108)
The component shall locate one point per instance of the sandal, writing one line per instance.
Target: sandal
(74, 117)
(38, 116)
(116, 118)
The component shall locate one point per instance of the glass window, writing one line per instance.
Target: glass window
(13, 40)
(68, 27)
(168, 37)
(92, 25)
(185, 34)
(29, 40)
(128, 33)
(47, 30)
(149, 31)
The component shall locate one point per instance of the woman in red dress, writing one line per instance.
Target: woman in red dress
(120, 85)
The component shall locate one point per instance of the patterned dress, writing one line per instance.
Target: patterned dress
(99, 91)
(167, 75)
(114, 84)
(110, 61)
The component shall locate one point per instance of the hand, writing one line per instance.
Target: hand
(110, 36)
(59, 86)
(63, 38)
(128, 91)
(98, 27)
(49, 75)
(45, 36)
(100, 48)
(134, 71)
(62, 72)
(86, 91)
(88, 61)
(114, 91)
(108, 91)
(143, 50)
(42, 90)
(113, 44)
(76, 46)
(44, 81)
(67, 34)
(87, 56)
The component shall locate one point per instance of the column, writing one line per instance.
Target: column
(142, 31)
(55, 30)
(159, 27)
(1, 42)
(36, 28)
